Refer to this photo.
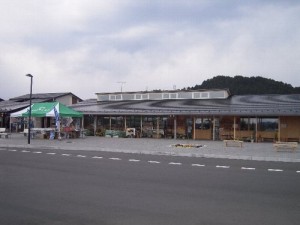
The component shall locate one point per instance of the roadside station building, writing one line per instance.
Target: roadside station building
(199, 114)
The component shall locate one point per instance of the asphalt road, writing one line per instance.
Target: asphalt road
(82, 187)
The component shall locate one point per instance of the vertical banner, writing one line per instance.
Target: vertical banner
(57, 121)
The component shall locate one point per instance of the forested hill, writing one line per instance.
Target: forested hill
(240, 85)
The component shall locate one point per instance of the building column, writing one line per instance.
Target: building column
(157, 127)
(194, 128)
(175, 127)
(234, 128)
(214, 128)
(141, 134)
(125, 123)
(256, 130)
(110, 122)
(82, 122)
(279, 127)
(95, 125)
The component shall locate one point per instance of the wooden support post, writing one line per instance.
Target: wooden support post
(175, 127)
(279, 127)
(214, 129)
(157, 127)
(125, 123)
(234, 125)
(95, 125)
(194, 128)
(256, 130)
(110, 122)
(141, 126)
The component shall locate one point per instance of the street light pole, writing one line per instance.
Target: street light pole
(29, 133)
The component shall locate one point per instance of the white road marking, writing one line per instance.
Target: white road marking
(25, 151)
(97, 157)
(153, 162)
(134, 160)
(174, 163)
(247, 168)
(223, 167)
(201, 165)
(275, 170)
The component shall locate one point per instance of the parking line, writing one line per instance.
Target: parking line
(275, 170)
(223, 167)
(81, 156)
(174, 163)
(25, 151)
(200, 165)
(134, 160)
(247, 168)
(51, 153)
(115, 158)
(153, 162)
(97, 157)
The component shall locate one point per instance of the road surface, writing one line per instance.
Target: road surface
(85, 187)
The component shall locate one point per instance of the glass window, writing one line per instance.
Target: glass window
(268, 124)
(173, 95)
(112, 97)
(197, 95)
(263, 124)
(203, 123)
(204, 95)
(247, 123)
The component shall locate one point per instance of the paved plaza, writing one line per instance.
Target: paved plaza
(179, 147)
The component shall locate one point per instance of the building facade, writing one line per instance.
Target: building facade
(200, 115)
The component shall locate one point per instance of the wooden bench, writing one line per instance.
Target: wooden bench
(3, 133)
(233, 143)
(285, 145)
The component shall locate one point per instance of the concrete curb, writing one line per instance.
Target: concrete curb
(166, 153)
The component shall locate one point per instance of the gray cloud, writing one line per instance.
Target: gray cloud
(88, 46)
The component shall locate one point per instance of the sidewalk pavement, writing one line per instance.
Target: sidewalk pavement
(206, 149)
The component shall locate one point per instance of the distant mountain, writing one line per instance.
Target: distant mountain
(240, 85)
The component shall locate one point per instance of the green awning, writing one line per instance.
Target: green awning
(46, 109)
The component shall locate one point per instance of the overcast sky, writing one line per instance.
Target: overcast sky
(90, 46)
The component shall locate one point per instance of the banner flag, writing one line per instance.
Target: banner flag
(56, 114)
(57, 122)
